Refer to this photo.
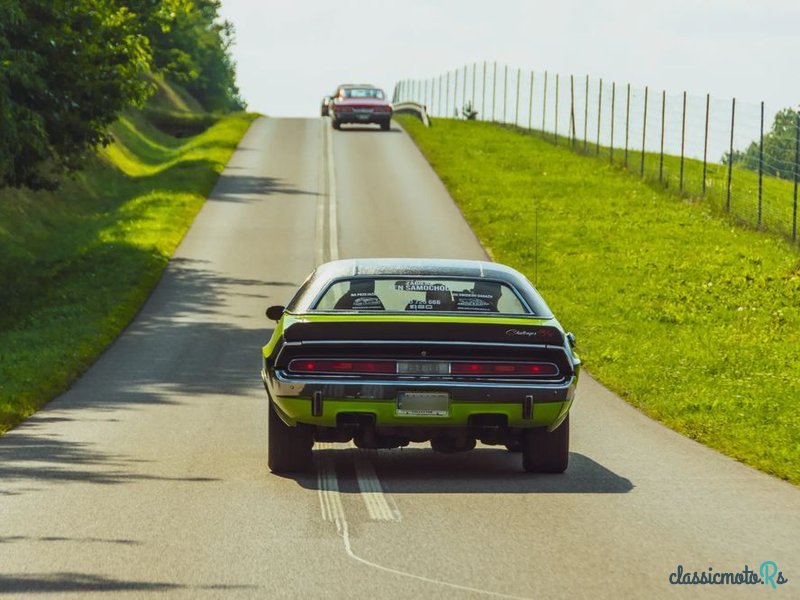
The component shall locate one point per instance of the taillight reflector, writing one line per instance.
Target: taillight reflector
(524, 369)
(342, 366)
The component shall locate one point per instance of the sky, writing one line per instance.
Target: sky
(290, 53)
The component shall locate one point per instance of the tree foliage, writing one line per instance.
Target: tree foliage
(780, 151)
(69, 67)
(192, 46)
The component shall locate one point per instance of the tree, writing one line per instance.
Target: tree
(779, 154)
(192, 46)
(68, 69)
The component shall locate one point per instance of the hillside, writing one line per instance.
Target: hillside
(76, 264)
(689, 317)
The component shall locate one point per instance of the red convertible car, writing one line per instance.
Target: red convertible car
(360, 104)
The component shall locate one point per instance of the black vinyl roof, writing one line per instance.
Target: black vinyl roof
(431, 267)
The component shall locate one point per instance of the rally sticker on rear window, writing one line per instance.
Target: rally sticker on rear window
(420, 286)
(367, 302)
(424, 305)
(473, 302)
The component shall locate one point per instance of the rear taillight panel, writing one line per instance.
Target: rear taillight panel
(450, 369)
(343, 367)
(538, 369)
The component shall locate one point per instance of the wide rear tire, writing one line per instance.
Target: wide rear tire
(336, 124)
(546, 452)
(386, 126)
(289, 448)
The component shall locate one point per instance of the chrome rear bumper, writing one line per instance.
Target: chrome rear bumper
(279, 384)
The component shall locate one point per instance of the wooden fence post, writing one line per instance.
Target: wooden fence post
(599, 114)
(494, 89)
(544, 103)
(555, 121)
(644, 131)
(705, 143)
(760, 163)
(627, 122)
(730, 156)
(683, 138)
(613, 110)
(530, 105)
(663, 121)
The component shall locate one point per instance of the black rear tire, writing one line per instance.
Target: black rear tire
(386, 126)
(289, 448)
(546, 452)
(336, 124)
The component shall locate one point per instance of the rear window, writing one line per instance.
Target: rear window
(421, 296)
(363, 93)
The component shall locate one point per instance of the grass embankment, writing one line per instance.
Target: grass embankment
(76, 265)
(777, 195)
(690, 318)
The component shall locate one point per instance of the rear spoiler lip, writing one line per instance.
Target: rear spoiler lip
(383, 342)
(422, 332)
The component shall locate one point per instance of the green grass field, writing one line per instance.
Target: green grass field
(77, 264)
(778, 213)
(689, 317)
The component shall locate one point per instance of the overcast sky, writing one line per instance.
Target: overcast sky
(289, 53)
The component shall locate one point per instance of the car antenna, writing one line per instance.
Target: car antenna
(535, 244)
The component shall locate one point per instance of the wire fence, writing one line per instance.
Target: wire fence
(683, 141)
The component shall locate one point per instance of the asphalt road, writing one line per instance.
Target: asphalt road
(149, 476)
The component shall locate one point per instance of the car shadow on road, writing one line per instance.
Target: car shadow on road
(481, 471)
(83, 583)
(365, 129)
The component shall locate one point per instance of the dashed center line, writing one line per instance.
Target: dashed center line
(329, 496)
(381, 507)
(333, 210)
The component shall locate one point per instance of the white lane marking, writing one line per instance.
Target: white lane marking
(333, 511)
(345, 533)
(329, 496)
(381, 506)
(333, 224)
(319, 251)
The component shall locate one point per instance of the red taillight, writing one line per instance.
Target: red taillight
(504, 369)
(469, 368)
(343, 366)
(388, 367)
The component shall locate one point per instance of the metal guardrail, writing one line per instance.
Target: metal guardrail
(413, 108)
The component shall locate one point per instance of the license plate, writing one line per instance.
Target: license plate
(423, 404)
(423, 367)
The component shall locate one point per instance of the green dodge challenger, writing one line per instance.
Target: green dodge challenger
(385, 352)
